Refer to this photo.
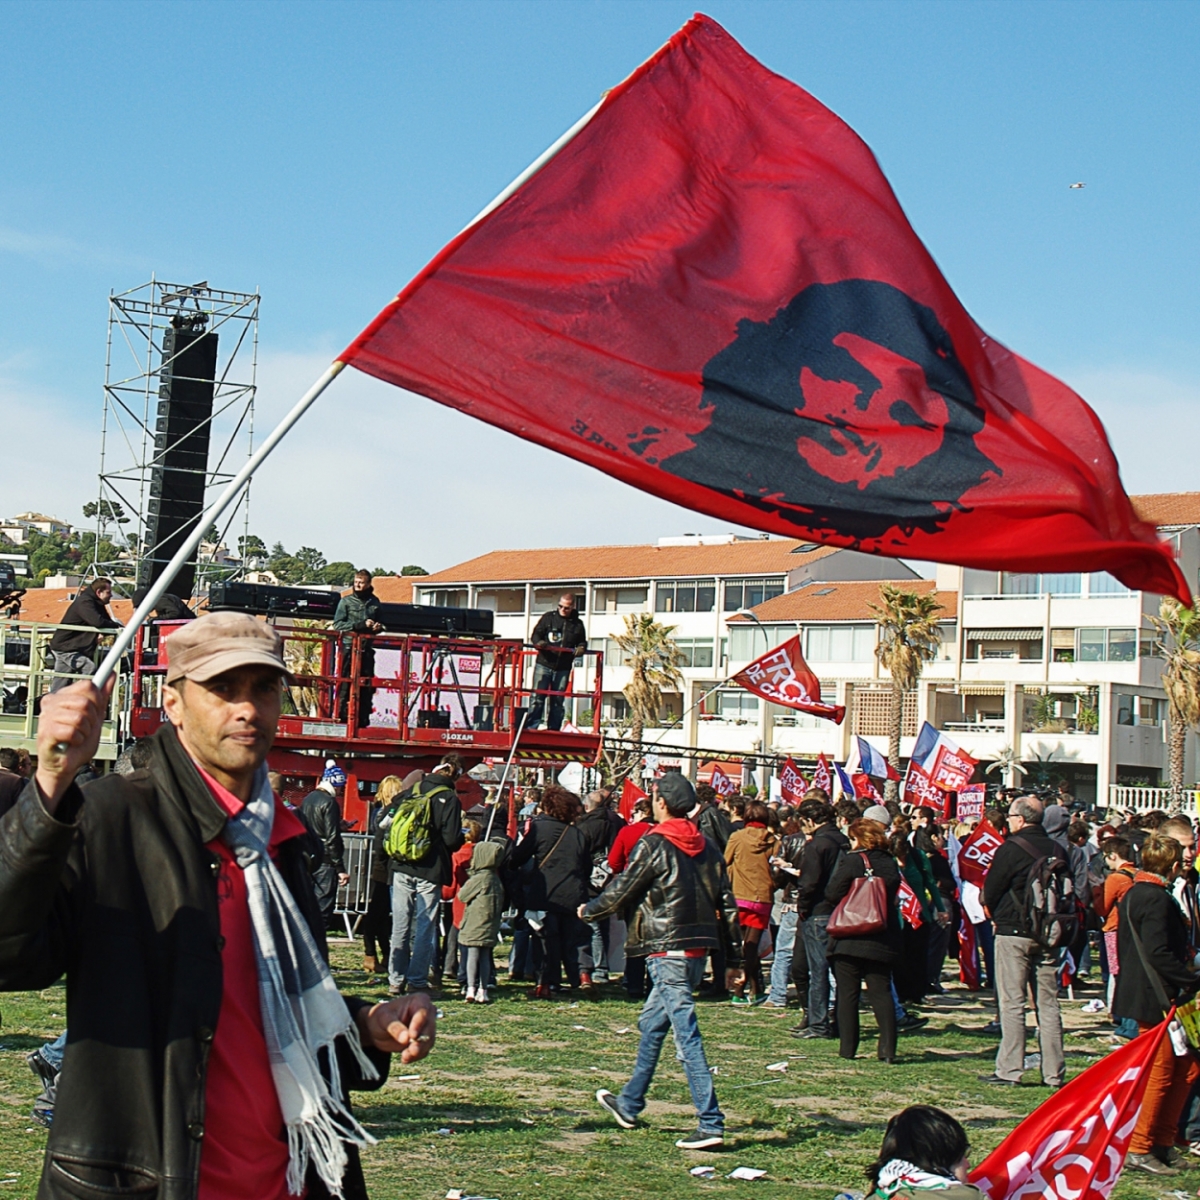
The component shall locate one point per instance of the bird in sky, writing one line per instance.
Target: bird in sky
(1078, 185)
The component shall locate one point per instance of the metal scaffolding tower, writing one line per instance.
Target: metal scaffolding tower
(135, 444)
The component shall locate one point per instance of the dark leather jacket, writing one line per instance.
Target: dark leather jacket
(120, 895)
(714, 824)
(673, 900)
(322, 815)
(791, 850)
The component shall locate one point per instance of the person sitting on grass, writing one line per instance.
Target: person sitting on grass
(924, 1150)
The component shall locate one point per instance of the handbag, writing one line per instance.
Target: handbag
(863, 909)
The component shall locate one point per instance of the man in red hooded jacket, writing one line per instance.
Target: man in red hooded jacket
(676, 886)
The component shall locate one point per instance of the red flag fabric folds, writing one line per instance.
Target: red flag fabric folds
(975, 856)
(822, 776)
(1073, 1144)
(711, 292)
(630, 795)
(721, 783)
(791, 783)
(783, 677)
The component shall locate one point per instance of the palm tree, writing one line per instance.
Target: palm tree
(1178, 642)
(908, 639)
(649, 649)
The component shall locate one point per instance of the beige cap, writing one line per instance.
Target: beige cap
(218, 642)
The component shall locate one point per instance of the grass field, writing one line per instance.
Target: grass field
(504, 1106)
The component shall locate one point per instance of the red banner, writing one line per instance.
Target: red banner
(864, 789)
(791, 783)
(710, 291)
(721, 783)
(630, 795)
(952, 769)
(1073, 1145)
(782, 676)
(975, 856)
(823, 776)
(971, 802)
(910, 905)
(918, 788)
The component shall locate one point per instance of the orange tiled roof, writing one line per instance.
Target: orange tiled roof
(50, 604)
(841, 602)
(766, 556)
(1169, 508)
(394, 589)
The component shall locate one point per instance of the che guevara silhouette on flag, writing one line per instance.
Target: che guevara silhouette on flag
(711, 292)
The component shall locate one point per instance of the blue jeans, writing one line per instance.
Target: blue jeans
(548, 679)
(816, 943)
(670, 1007)
(781, 968)
(52, 1052)
(415, 905)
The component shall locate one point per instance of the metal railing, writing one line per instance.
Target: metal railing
(1149, 799)
(354, 897)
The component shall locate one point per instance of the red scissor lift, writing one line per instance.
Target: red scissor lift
(429, 693)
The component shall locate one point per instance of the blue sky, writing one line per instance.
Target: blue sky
(324, 152)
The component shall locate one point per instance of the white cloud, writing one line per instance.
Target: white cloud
(52, 250)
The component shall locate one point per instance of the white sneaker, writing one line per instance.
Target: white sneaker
(481, 996)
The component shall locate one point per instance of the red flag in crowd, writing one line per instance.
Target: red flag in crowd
(822, 776)
(971, 802)
(721, 783)
(918, 788)
(968, 954)
(783, 677)
(864, 789)
(1074, 1143)
(952, 768)
(709, 290)
(975, 856)
(910, 905)
(791, 783)
(630, 795)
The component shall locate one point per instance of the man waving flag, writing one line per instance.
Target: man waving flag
(708, 290)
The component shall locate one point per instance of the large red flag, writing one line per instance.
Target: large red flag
(1073, 1144)
(822, 776)
(721, 783)
(709, 291)
(783, 677)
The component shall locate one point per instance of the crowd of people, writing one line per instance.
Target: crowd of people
(772, 906)
(571, 893)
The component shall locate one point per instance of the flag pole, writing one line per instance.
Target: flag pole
(234, 488)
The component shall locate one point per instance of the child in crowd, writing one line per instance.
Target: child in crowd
(482, 898)
(460, 863)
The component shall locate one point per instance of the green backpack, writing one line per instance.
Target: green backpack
(410, 834)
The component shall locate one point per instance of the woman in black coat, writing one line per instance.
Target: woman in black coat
(555, 885)
(1149, 909)
(869, 958)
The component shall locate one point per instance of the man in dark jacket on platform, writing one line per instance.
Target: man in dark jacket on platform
(74, 650)
(560, 638)
(417, 886)
(357, 612)
(138, 890)
(1018, 957)
(825, 845)
(677, 887)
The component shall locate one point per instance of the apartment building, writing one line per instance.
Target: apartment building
(1056, 670)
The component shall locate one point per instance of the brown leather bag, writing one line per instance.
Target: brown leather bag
(863, 909)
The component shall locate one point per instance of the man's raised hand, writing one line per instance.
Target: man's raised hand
(72, 718)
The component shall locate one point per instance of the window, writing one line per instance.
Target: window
(732, 706)
(840, 643)
(1091, 645)
(506, 601)
(947, 635)
(1139, 710)
(1122, 645)
(613, 657)
(980, 583)
(1101, 583)
(1062, 645)
(621, 599)
(545, 599)
(697, 652)
(750, 593)
(1014, 583)
(616, 707)
(748, 641)
(447, 597)
(685, 595)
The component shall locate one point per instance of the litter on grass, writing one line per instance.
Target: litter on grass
(1094, 1006)
(459, 1194)
(779, 1066)
(703, 1172)
(625, 1029)
(745, 1173)
(527, 1121)
(404, 1078)
(581, 1028)
(443, 1132)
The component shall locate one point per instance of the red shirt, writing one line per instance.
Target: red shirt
(244, 1154)
(622, 847)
